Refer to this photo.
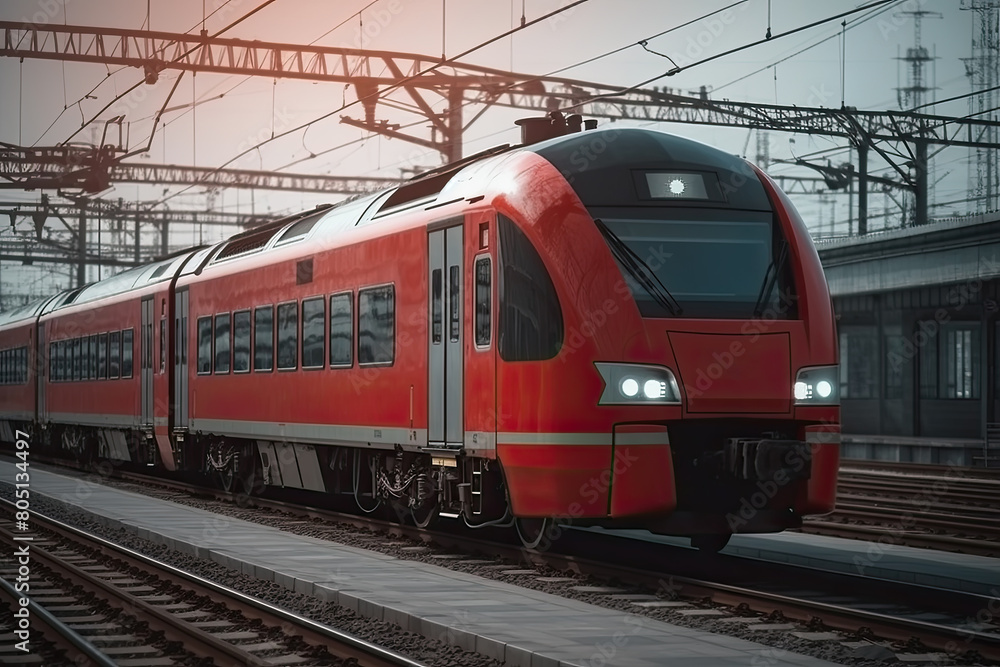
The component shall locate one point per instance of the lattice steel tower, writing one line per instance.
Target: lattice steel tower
(916, 59)
(983, 70)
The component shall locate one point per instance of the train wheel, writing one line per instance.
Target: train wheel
(532, 531)
(227, 476)
(250, 480)
(711, 543)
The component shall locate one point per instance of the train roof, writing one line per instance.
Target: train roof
(123, 282)
(28, 311)
(598, 163)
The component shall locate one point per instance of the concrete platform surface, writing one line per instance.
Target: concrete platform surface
(885, 560)
(518, 626)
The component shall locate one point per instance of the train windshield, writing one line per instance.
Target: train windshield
(700, 263)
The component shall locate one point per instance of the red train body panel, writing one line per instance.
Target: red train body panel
(621, 328)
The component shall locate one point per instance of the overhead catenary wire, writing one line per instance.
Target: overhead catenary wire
(388, 88)
(677, 70)
(521, 82)
(850, 25)
(89, 94)
(205, 98)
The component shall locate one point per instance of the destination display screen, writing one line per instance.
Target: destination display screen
(680, 185)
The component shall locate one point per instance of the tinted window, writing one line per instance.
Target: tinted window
(341, 330)
(114, 354)
(713, 263)
(313, 333)
(241, 342)
(483, 301)
(454, 306)
(263, 340)
(102, 356)
(436, 307)
(58, 375)
(93, 357)
(376, 325)
(222, 343)
(77, 359)
(288, 334)
(204, 345)
(163, 344)
(52, 361)
(127, 353)
(531, 325)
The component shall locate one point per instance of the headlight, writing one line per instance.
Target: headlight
(637, 384)
(817, 386)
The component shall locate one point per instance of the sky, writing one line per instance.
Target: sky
(43, 103)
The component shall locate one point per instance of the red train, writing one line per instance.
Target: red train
(617, 327)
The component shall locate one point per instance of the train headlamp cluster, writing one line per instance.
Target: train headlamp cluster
(817, 386)
(637, 384)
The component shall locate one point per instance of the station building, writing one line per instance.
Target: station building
(919, 326)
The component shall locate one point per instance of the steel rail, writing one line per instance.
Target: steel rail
(941, 637)
(60, 634)
(935, 636)
(365, 653)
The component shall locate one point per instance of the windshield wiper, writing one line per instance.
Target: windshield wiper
(639, 270)
(770, 278)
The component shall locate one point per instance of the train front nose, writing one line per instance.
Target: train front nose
(734, 373)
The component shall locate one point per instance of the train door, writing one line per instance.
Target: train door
(181, 359)
(146, 362)
(42, 364)
(480, 361)
(445, 419)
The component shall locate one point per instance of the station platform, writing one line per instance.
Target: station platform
(960, 452)
(893, 562)
(517, 626)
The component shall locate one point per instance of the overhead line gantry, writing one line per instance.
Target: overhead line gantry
(901, 138)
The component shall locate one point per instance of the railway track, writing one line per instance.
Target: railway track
(133, 611)
(943, 508)
(861, 607)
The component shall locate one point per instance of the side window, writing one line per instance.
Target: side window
(77, 359)
(163, 344)
(484, 302)
(530, 317)
(288, 335)
(204, 345)
(342, 330)
(313, 332)
(455, 299)
(93, 357)
(57, 376)
(241, 342)
(114, 354)
(127, 353)
(436, 306)
(222, 344)
(376, 325)
(102, 357)
(52, 362)
(263, 340)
